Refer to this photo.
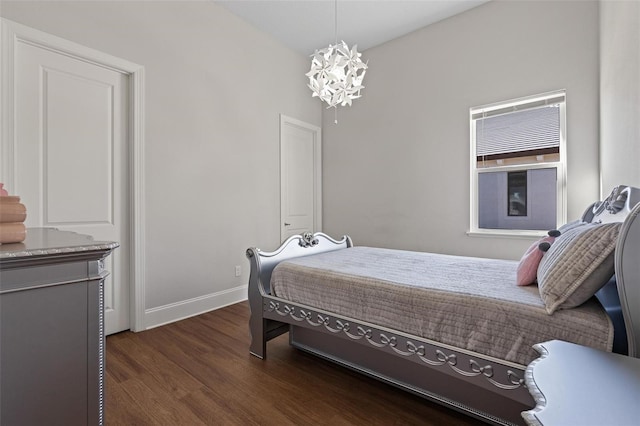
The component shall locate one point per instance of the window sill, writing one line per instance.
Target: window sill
(521, 234)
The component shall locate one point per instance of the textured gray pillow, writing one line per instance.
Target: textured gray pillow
(577, 265)
(568, 226)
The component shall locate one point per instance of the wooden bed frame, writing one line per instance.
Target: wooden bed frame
(487, 388)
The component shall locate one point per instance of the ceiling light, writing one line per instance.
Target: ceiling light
(337, 72)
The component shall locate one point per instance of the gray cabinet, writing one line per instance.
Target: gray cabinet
(52, 329)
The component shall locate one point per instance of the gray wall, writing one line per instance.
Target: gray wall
(397, 164)
(215, 87)
(619, 93)
(396, 167)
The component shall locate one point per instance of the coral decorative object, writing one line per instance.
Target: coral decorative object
(11, 209)
(12, 215)
(14, 232)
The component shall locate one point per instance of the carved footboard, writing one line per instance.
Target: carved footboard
(490, 389)
(262, 263)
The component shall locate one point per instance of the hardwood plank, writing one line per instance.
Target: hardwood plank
(119, 408)
(176, 378)
(199, 371)
(159, 407)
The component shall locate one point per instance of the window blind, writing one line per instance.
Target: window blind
(536, 129)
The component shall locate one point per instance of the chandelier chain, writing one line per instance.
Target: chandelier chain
(335, 18)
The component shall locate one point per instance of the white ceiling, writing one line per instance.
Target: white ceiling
(307, 25)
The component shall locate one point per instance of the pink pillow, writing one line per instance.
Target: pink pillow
(528, 267)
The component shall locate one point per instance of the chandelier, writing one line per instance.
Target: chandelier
(337, 72)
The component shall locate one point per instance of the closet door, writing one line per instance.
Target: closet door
(71, 155)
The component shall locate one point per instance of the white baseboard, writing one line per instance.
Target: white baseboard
(166, 314)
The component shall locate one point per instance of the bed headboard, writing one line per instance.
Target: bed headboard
(615, 208)
(623, 205)
(627, 266)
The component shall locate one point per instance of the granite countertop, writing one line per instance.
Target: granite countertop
(50, 241)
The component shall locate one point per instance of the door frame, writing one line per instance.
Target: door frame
(317, 172)
(12, 33)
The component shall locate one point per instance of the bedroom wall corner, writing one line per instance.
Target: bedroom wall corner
(215, 89)
(619, 94)
(396, 166)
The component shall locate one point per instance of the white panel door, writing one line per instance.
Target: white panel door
(71, 156)
(300, 177)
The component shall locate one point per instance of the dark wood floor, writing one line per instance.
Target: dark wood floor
(199, 372)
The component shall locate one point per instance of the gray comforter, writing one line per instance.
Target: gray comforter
(469, 303)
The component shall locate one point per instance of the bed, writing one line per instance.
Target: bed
(455, 330)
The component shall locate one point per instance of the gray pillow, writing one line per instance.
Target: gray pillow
(577, 265)
(568, 226)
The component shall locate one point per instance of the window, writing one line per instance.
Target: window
(517, 193)
(518, 165)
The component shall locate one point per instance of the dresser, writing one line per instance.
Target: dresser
(577, 385)
(52, 329)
